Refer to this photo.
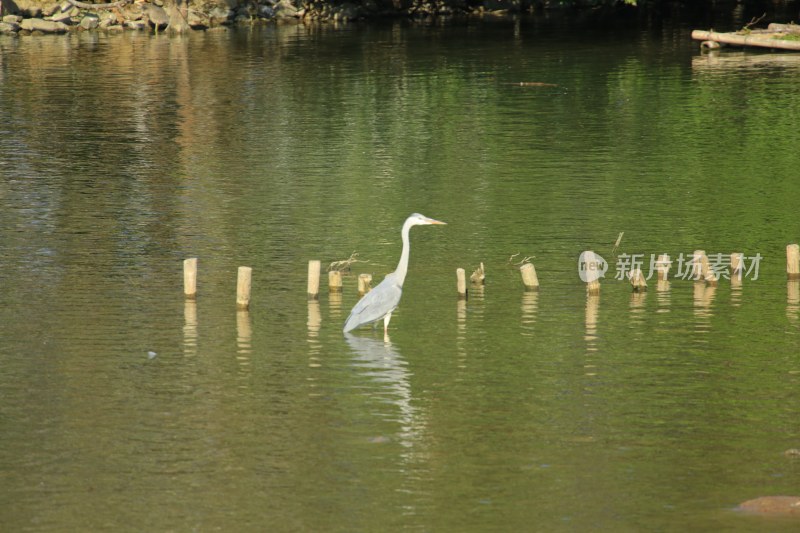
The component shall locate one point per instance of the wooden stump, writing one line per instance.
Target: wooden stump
(313, 279)
(335, 281)
(364, 284)
(478, 276)
(190, 277)
(529, 278)
(662, 267)
(638, 282)
(737, 269)
(243, 284)
(592, 266)
(793, 261)
(461, 283)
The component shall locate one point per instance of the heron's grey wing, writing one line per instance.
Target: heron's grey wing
(375, 305)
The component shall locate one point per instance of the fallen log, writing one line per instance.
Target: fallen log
(788, 28)
(533, 84)
(737, 39)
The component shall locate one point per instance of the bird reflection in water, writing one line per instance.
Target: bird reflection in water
(384, 365)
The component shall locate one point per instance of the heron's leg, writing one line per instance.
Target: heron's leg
(386, 320)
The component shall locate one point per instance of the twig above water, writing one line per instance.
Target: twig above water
(344, 264)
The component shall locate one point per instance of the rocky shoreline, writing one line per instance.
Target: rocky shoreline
(34, 18)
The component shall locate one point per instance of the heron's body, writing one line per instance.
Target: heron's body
(379, 303)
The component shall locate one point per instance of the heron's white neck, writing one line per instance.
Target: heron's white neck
(402, 266)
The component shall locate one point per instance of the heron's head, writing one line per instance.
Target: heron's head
(418, 220)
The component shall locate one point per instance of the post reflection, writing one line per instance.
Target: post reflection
(792, 300)
(190, 327)
(592, 313)
(461, 317)
(335, 304)
(737, 271)
(663, 296)
(382, 363)
(476, 291)
(314, 325)
(244, 336)
(703, 299)
(244, 341)
(637, 307)
(461, 332)
(530, 308)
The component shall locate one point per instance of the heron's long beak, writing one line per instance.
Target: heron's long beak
(433, 221)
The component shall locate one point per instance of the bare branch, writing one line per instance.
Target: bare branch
(344, 264)
(753, 22)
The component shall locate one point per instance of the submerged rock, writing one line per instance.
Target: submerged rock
(9, 27)
(286, 10)
(136, 25)
(64, 16)
(90, 22)
(772, 505)
(44, 26)
(220, 15)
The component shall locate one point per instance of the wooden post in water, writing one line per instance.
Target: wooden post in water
(364, 284)
(637, 280)
(710, 276)
(592, 266)
(529, 278)
(701, 268)
(461, 283)
(335, 281)
(190, 277)
(662, 266)
(243, 284)
(697, 265)
(793, 261)
(662, 272)
(478, 276)
(737, 269)
(313, 279)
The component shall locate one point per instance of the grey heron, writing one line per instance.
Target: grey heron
(383, 299)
